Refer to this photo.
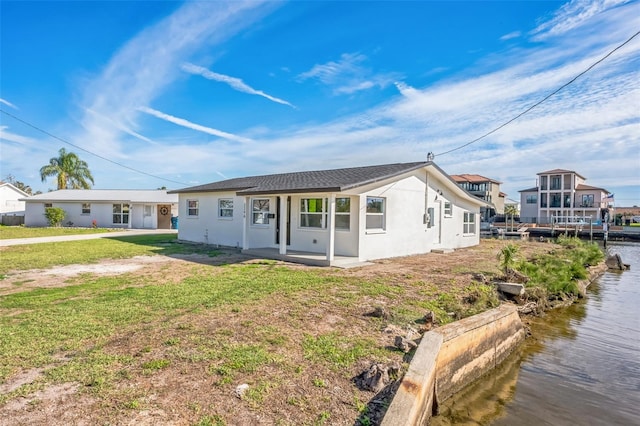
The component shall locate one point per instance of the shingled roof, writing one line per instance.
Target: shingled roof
(336, 180)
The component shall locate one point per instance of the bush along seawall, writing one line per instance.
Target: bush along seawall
(450, 357)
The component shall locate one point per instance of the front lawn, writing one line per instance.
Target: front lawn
(11, 232)
(44, 255)
(174, 341)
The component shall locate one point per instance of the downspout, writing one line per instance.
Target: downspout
(283, 225)
(425, 218)
(245, 225)
(331, 228)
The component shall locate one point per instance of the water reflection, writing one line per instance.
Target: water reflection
(581, 367)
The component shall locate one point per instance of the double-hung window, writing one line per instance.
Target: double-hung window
(225, 208)
(375, 213)
(343, 214)
(313, 212)
(121, 213)
(469, 223)
(448, 209)
(260, 211)
(192, 207)
(86, 208)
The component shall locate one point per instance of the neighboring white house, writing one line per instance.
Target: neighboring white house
(362, 213)
(10, 200)
(562, 196)
(138, 209)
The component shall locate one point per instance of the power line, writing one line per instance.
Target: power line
(87, 151)
(543, 99)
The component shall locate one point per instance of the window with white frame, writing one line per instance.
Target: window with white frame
(448, 209)
(313, 212)
(48, 205)
(469, 223)
(86, 208)
(225, 208)
(260, 211)
(192, 207)
(375, 213)
(343, 214)
(120, 214)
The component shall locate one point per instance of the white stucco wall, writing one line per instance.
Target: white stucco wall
(405, 233)
(208, 227)
(9, 203)
(529, 210)
(101, 212)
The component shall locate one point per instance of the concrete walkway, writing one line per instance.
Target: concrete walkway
(62, 238)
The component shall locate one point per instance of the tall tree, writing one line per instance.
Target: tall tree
(71, 171)
(20, 185)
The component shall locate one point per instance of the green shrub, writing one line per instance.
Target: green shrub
(54, 215)
(559, 270)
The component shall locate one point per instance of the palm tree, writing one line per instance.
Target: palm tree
(71, 171)
(510, 210)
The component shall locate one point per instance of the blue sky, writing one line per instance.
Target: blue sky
(196, 92)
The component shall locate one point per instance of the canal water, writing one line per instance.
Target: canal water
(581, 367)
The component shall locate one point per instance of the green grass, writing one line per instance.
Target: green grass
(11, 232)
(44, 255)
(338, 351)
(39, 325)
(558, 271)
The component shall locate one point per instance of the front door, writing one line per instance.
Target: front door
(278, 213)
(147, 216)
(164, 216)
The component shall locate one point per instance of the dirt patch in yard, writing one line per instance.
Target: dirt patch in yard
(290, 349)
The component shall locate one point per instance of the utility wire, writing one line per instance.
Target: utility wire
(87, 151)
(543, 99)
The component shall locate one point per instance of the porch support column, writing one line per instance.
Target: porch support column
(331, 228)
(245, 225)
(283, 225)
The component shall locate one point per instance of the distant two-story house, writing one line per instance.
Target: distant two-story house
(486, 189)
(561, 195)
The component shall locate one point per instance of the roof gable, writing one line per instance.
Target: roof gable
(14, 188)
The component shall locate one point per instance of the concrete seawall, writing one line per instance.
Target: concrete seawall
(451, 357)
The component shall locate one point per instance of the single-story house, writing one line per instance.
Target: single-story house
(105, 208)
(10, 199)
(357, 214)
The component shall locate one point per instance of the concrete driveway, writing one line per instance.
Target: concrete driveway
(61, 238)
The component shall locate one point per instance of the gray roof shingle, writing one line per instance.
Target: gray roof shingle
(335, 180)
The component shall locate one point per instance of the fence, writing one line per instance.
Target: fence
(12, 220)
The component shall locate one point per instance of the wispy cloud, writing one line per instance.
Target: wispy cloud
(7, 103)
(121, 126)
(188, 124)
(19, 139)
(144, 67)
(234, 82)
(348, 75)
(572, 15)
(511, 35)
